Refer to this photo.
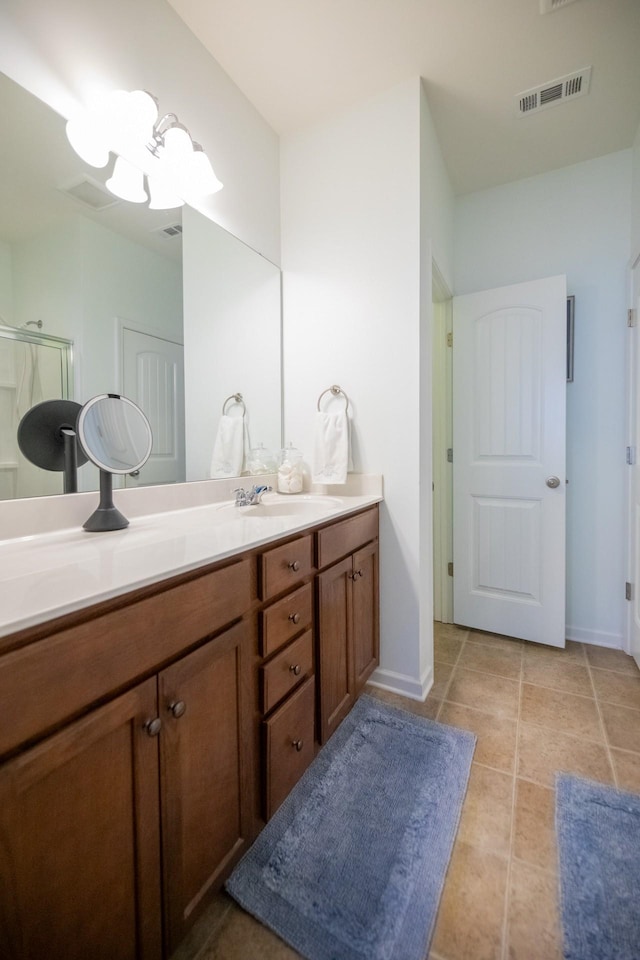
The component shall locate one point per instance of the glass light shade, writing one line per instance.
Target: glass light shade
(86, 136)
(177, 145)
(162, 194)
(127, 182)
(201, 179)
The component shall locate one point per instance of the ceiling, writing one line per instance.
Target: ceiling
(299, 61)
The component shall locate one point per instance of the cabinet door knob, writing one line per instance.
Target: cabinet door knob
(153, 726)
(294, 565)
(177, 708)
(298, 744)
(295, 668)
(294, 617)
(359, 573)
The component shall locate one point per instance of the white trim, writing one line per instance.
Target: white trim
(597, 637)
(401, 683)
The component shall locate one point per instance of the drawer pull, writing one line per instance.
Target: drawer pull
(295, 668)
(294, 617)
(153, 726)
(178, 708)
(294, 565)
(298, 744)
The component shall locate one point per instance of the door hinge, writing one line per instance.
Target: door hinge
(631, 456)
(449, 454)
(449, 339)
(450, 568)
(632, 317)
(628, 591)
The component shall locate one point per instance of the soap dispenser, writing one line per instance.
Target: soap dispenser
(290, 471)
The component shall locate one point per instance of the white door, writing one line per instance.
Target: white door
(634, 524)
(153, 377)
(509, 390)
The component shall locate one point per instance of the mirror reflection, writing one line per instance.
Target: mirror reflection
(115, 434)
(107, 277)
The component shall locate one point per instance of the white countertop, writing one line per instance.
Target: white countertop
(47, 575)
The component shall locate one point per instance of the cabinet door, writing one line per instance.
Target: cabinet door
(80, 840)
(335, 666)
(365, 614)
(206, 795)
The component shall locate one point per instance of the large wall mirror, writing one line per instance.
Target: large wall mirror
(164, 307)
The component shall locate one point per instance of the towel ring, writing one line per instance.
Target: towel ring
(336, 391)
(234, 398)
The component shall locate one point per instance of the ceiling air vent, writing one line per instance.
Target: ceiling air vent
(556, 91)
(90, 192)
(171, 230)
(548, 6)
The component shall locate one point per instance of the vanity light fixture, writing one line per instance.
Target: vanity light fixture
(146, 145)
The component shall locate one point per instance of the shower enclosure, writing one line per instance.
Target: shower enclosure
(33, 367)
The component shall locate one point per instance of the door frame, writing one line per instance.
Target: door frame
(633, 441)
(442, 439)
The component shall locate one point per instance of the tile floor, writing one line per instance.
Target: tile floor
(534, 710)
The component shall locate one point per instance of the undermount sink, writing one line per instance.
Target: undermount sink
(281, 505)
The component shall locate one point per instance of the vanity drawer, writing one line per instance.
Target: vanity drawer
(53, 679)
(285, 618)
(286, 671)
(342, 538)
(284, 567)
(289, 745)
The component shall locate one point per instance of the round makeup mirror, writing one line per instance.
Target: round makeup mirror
(116, 436)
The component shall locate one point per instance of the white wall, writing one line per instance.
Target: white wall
(351, 231)
(6, 284)
(635, 199)
(574, 221)
(68, 51)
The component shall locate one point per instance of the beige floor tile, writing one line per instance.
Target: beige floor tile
(240, 937)
(496, 695)
(558, 674)
(534, 837)
(486, 816)
(470, 917)
(496, 744)
(446, 649)
(205, 929)
(441, 676)
(617, 688)
(561, 711)
(572, 652)
(504, 662)
(541, 753)
(608, 659)
(627, 770)
(622, 726)
(494, 640)
(449, 630)
(534, 931)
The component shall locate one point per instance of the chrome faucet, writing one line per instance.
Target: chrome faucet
(249, 498)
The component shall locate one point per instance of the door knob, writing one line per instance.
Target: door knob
(177, 708)
(552, 482)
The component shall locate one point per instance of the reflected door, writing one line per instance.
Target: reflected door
(153, 377)
(509, 387)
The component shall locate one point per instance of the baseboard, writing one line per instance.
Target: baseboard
(597, 637)
(403, 684)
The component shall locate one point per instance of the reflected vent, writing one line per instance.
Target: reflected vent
(90, 192)
(556, 91)
(171, 230)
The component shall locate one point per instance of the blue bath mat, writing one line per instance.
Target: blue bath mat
(598, 832)
(352, 865)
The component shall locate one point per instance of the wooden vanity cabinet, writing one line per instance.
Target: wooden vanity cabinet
(114, 827)
(80, 839)
(347, 616)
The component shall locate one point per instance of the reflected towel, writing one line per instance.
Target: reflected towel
(229, 448)
(331, 448)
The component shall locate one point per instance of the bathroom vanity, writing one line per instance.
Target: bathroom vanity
(147, 736)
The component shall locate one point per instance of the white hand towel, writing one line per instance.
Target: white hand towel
(331, 448)
(229, 448)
